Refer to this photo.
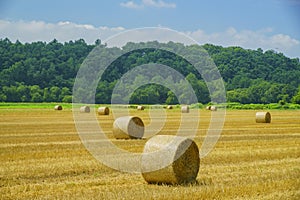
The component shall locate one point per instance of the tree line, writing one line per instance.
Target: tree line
(45, 72)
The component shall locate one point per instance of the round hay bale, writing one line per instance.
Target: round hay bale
(58, 107)
(128, 127)
(84, 109)
(168, 159)
(140, 107)
(185, 109)
(213, 108)
(169, 107)
(103, 111)
(263, 117)
(208, 107)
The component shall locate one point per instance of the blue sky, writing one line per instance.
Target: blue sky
(268, 24)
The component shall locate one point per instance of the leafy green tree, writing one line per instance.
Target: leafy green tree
(67, 99)
(24, 93)
(172, 100)
(11, 94)
(239, 95)
(296, 98)
(2, 97)
(64, 92)
(36, 93)
(251, 76)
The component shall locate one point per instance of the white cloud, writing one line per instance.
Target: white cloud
(159, 4)
(25, 31)
(148, 3)
(131, 4)
(31, 31)
(250, 39)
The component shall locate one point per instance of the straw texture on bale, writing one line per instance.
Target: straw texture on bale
(185, 109)
(58, 107)
(140, 107)
(168, 159)
(213, 108)
(208, 107)
(103, 111)
(84, 109)
(128, 127)
(169, 107)
(263, 117)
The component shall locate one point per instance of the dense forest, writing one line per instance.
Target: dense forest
(45, 72)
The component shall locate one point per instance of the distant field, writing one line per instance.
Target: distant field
(42, 157)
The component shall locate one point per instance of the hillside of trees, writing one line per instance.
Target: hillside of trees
(45, 72)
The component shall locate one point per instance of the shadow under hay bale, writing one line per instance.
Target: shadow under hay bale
(128, 127)
(170, 160)
(140, 108)
(185, 109)
(263, 117)
(58, 107)
(103, 111)
(85, 109)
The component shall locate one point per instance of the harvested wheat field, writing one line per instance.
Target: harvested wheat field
(42, 157)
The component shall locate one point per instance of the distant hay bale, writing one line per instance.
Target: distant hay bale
(169, 107)
(85, 109)
(103, 111)
(168, 159)
(263, 117)
(185, 109)
(213, 108)
(208, 107)
(128, 127)
(140, 107)
(58, 107)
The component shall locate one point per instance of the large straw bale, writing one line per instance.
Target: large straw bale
(103, 111)
(169, 107)
(140, 107)
(170, 160)
(58, 107)
(85, 109)
(185, 109)
(213, 108)
(263, 117)
(128, 127)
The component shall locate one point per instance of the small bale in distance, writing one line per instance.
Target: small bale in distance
(58, 107)
(85, 109)
(103, 111)
(128, 127)
(170, 107)
(213, 108)
(140, 108)
(208, 107)
(168, 159)
(263, 117)
(185, 109)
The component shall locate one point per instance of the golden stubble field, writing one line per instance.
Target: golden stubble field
(42, 157)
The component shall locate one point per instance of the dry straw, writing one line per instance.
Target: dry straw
(185, 109)
(128, 127)
(140, 107)
(263, 117)
(103, 111)
(85, 109)
(170, 160)
(58, 107)
(213, 108)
